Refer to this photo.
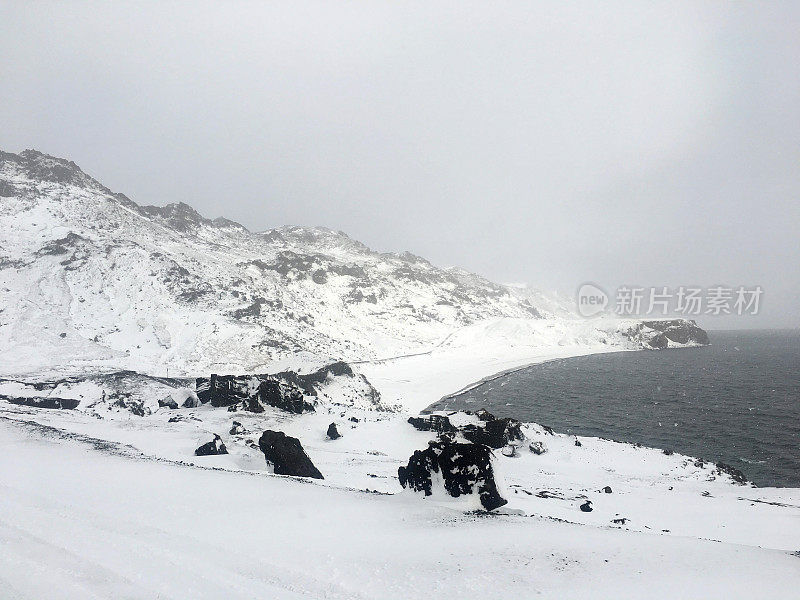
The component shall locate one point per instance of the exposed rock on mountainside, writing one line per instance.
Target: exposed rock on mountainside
(662, 334)
(464, 468)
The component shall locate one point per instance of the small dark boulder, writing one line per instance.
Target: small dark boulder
(333, 433)
(587, 506)
(537, 447)
(212, 448)
(168, 402)
(191, 402)
(578, 442)
(607, 489)
(465, 469)
(237, 428)
(286, 455)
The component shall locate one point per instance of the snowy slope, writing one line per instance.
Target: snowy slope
(92, 281)
(117, 523)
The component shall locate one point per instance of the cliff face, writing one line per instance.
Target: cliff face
(667, 333)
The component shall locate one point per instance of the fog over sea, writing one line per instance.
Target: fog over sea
(736, 401)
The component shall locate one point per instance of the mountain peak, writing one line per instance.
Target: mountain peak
(44, 167)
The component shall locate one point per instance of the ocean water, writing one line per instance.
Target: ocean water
(736, 401)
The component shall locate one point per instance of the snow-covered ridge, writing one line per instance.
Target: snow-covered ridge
(93, 281)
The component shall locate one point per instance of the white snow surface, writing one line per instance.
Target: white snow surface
(97, 502)
(119, 507)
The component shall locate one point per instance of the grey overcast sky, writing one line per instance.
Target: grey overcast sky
(551, 143)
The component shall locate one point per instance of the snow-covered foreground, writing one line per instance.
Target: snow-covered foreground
(102, 508)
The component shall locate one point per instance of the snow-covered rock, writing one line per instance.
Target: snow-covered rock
(459, 469)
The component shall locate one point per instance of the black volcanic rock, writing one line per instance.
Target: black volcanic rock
(496, 433)
(212, 448)
(286, 455)
(167, 402)
(333, 433)
(283, 396)
(465, 468)
(42, 402)
(252, 392)
(735, 473)
(420, 423)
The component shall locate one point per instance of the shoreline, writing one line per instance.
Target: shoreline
(488, 379)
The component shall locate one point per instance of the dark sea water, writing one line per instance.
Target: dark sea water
(736, 401)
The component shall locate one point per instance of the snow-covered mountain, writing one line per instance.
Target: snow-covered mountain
(90, 280)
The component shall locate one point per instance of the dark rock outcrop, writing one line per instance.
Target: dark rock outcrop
(607, 489)
(734, 473)
(284, 396)
(286, 455)
(212, 448)
(237, 428)
(420, 423)
(333, 433)
(42, 402)
(587, 506)
(167, 402)
(658, 334)
(496, 433)
(252, 392)
(465, 469)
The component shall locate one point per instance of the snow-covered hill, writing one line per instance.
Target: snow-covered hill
(91, 280)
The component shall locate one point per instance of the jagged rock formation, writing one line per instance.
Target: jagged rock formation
(286, 455)
(492, 432)
(464, 468)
